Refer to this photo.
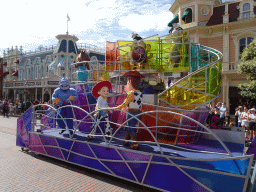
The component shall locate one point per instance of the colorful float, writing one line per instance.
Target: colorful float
(176, 151)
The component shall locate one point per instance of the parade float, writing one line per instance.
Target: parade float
(177, 152)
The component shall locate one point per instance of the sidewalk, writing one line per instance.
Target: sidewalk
(26, 171)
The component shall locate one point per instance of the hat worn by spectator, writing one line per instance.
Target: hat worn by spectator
(96, 88)
(252, 109)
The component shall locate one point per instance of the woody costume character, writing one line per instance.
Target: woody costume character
(134, 103)
(63, 96)
(101, 91)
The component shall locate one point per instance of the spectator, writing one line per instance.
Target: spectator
(226, 120)
(11, 108)
(5, 109)
(209, 118)
(252, 123)
(238, 114)
(19, 107)
(223, 108)
(215, 123)
(245, 123)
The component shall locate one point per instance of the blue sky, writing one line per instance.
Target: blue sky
(33, 23)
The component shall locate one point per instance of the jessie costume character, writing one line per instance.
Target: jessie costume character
(101, 91)
(63, 96)
(134, 103)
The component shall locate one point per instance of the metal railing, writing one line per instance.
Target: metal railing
(90, 47)
(89, 118)
(39, 50)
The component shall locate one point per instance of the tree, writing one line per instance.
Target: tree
(248, 67)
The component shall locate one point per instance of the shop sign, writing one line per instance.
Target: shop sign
(18, 84)
(53, 82)
(8, 84)
(30, 83)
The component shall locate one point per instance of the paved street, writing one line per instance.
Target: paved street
(26, 171)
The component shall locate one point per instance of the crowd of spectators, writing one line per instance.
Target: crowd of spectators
(219, 117)
(18, 107)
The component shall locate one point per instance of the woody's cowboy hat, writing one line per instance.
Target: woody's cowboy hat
(133, 74)
(98, 86)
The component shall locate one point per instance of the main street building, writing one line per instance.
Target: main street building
(35, 74)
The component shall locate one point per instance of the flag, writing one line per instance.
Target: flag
(68, 17)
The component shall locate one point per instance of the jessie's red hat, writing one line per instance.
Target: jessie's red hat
(96, 88)
(133, 74)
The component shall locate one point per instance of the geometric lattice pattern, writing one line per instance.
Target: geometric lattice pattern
(155, 171)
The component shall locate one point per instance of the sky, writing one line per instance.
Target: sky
(30, 23)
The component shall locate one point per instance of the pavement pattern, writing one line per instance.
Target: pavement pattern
(27, 171)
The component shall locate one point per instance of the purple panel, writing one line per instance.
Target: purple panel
(47, 140)
(203, 117)
(24, 136)
(133, 156)
(79, 88)
(19, 125)
(79, 113)
(66, 144)
(138, 169)
(34, 139)
(92, 163)
(120, 169)
(27, 115)
(65, 154)
(37, 149)
(160, 159)
(44, 122)
(192, 115)
(82, 148)
(105, 153)
(111, 101)
(92, 107)
(52, 151)
(120, 99)
(28, 126)
(81, 100)
(19, 142)
(170, 178)
(85, 127)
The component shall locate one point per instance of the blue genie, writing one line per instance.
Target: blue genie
(63, 96)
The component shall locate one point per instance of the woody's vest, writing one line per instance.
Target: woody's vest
(136, 105)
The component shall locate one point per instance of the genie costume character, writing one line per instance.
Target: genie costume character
(63, 96)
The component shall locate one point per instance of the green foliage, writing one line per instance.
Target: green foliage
(248, 67)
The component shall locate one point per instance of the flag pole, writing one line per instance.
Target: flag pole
(67, 26)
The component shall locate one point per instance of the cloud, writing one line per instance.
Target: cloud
(32, 23)
(145, 22)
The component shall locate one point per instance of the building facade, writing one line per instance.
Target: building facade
(33, 75)
(228, 26)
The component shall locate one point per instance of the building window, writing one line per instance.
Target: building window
(243, 43)
(246, 11)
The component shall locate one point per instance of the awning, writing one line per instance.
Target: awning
(15, 73)
(170, 31)
(61, 63)
(52, 65)
(17, 61)
(174, 20)
(187, 13)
